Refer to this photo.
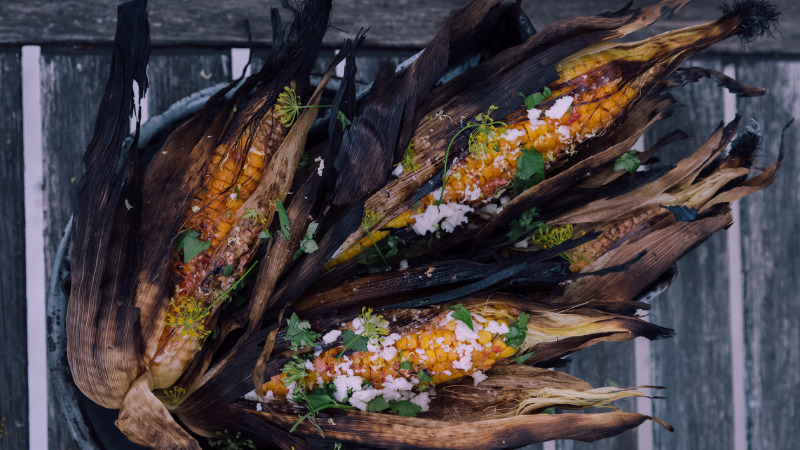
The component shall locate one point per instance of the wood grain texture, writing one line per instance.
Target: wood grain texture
(392, 23)
(176, 73)
(770, 248)
(695, 364)
(72, 85)
(13, 333)
(605, 364)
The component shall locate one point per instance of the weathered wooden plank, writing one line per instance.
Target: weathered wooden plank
(770, 248)
(176, 73)
(72, 85)
(606, 364)
(13, 333)
(409, 23)
(695, 365)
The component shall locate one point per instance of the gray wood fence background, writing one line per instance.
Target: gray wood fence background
(732, 372)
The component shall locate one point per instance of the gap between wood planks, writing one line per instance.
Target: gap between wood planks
(34, 247)
(733, 239)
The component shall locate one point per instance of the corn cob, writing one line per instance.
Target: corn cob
(231, 179)
(594, 88)
(443, 349)
(422, 355)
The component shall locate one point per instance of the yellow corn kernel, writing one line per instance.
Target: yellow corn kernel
(484, 337)
(507, 352)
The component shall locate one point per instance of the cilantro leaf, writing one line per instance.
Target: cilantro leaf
(522, 358)
(343, 120)
(406, 365)
(530, 165)
(298, 332)
(517, 332)
(284, 219)
(537, 97)
(320, 397)
(308, 245)
(629, 161)
(356, 342)
(462, 314)
(264, 235)
(228, 270)
(374, 256)
(424, 378)
(548, 411)
(524, 224)
(190, 244)
(378, 404)
(405, 408)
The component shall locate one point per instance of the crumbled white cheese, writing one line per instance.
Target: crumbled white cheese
(422, 400)
(472, 194)
(389, 340)
(252, 396)
(361, 398)
(533, 117)
(564, 131)
(478, 377)
(258, 406)
(464, 363)
(388, 353)
(397, 170)
(521, 244)
(449, 214)
(439, 341)
(403, 265)
(331, 336)
(513, 134)
(321, 167)
(290, 388)
(345, 383)
(490, 209)
(447, 372)
(195, 208)
(463, 333)
(358, 327)
(478, 318)
(505, 199)
(559, 107)
(396, 389)
(308, 365)
(496, 328)
(373, 347)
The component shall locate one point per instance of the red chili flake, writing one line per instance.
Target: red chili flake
(573, 118)
(496, 349)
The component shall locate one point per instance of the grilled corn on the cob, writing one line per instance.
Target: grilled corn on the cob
(594, 88)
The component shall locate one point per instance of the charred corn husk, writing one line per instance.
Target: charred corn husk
(594, 89)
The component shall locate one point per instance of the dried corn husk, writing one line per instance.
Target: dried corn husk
(112, 361)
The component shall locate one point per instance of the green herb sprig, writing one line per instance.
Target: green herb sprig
(288, 106)
(299, 333)
(481, 130)
(629, 161)
(461, 313)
